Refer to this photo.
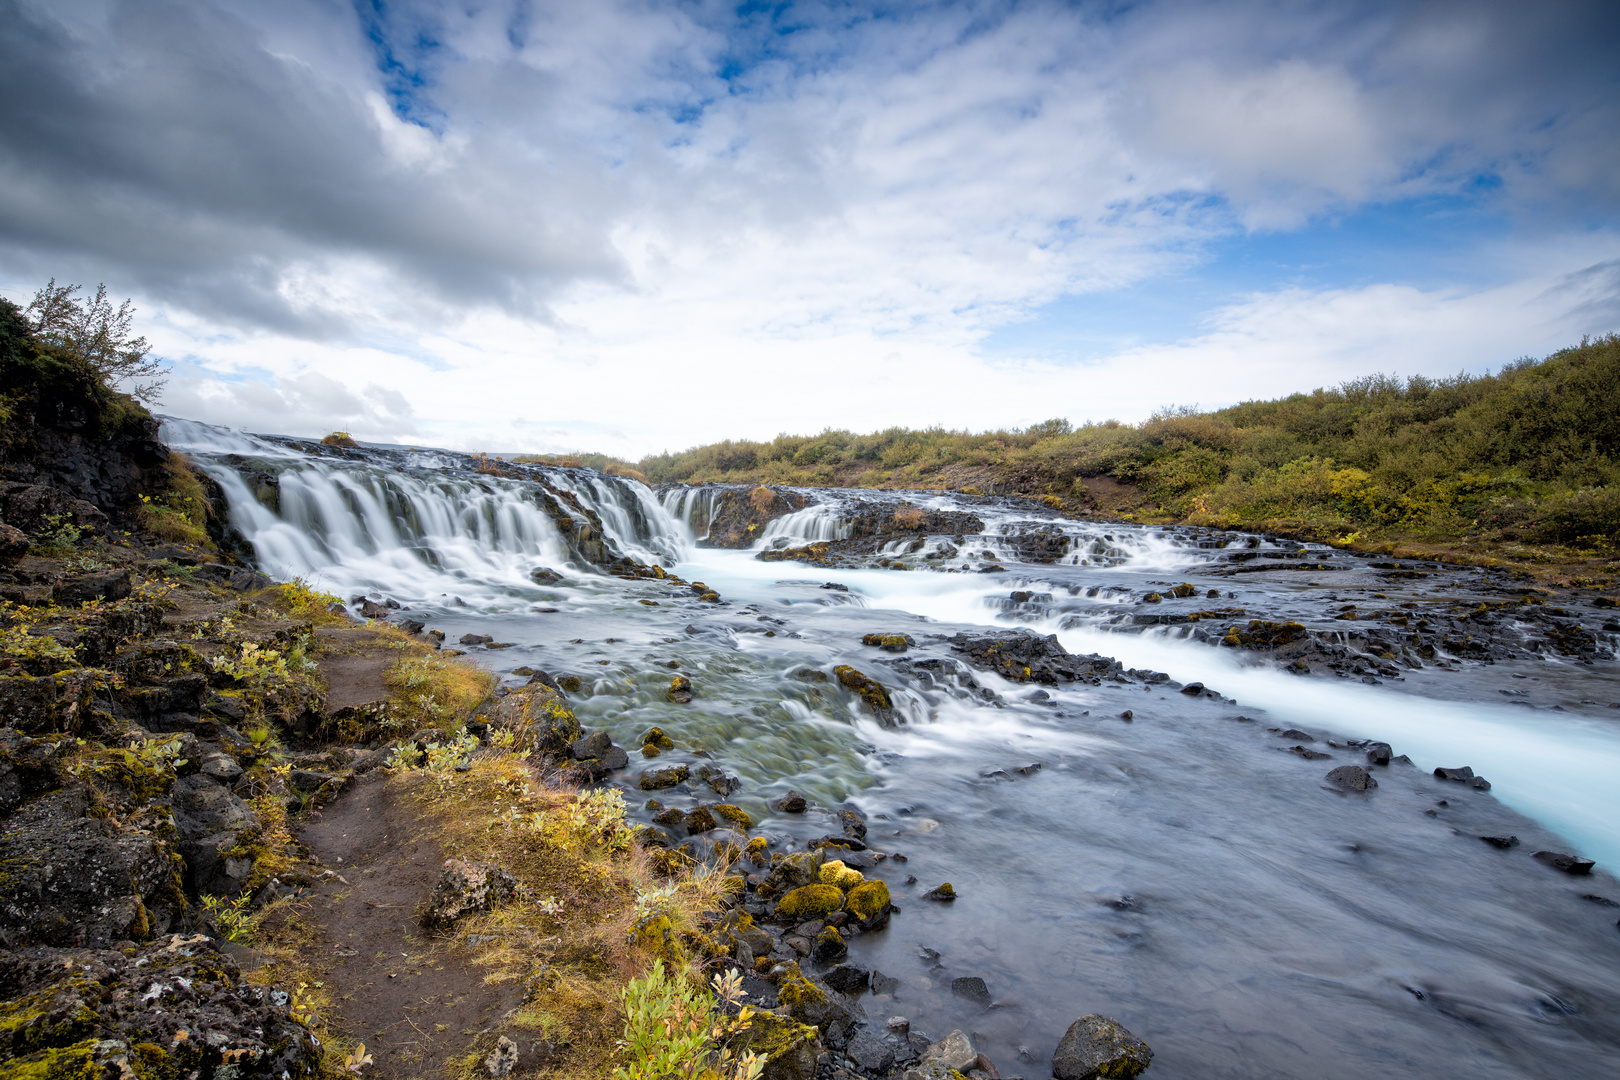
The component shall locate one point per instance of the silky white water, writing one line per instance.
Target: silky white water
(1180, 870)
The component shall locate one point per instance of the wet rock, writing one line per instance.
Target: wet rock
(541, 575)
(973, 989)
(589, 746)
(1569, 864)
(1462, 774)
(848, 979)
(944, 893)
(791, 803)
(829, 946)
(1307, 753)
(954, 1051)
(1022, 656)
(870, 691)
(464, 888)
(1501, 841)
(1096, 1047)
(854, 822)
(465, 639)
(870, 1051)
(895, 643)
(665, 777)
(1351, 778)
(884, 984)
(1379, 753)
(177, 1006)
(699, 820)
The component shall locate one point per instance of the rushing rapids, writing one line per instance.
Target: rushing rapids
(1138, 826)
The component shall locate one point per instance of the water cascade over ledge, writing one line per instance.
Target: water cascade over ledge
(1171, 858)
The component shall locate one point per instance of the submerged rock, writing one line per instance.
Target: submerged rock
(1095, 1047)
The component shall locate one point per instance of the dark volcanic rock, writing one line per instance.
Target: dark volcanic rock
(973, 989)
(1464, 773)
(75, 880)
(466, 887)
(177, 1005)
(1351, 778)
(1095, 1047)
(791, 803)
(1379, 753)
(1026, 657)
(1569, 864)
(848, 979)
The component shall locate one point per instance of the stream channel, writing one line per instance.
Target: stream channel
(1187, 871)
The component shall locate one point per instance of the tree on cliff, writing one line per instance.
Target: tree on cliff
(92, 331)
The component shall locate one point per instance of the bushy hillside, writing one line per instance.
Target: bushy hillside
(1530, 454)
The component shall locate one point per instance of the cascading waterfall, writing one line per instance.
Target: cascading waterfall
(419, 526)
(1106, 840)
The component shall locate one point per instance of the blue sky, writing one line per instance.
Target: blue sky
(636, 225)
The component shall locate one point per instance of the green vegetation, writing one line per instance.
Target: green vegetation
(1529, 455)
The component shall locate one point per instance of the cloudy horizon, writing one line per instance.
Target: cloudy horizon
(630, 227)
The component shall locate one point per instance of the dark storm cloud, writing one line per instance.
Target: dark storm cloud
(307, 166)
(168, 140)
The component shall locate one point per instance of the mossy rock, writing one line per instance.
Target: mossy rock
(700, 820)
(790, 1049)
(834, 872)
(868, 901)
(810, 902)
(657, 737)
(656, 934)
(755, 851)
(735, 814)
(668, 776)
(888, 642)
(870, 691)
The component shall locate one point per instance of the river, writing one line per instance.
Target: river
(1187, 871)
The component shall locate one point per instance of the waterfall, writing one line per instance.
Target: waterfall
(427, 526)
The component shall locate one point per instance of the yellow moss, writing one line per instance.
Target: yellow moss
(868, 900)
(794, 990)
(756, 850)
(76, 1062)
(734, 814)
(834, 872)
(811, 902)
(774, 1037)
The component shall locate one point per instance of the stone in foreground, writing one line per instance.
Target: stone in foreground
(1096, 1047)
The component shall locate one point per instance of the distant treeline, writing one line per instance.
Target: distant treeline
(1531, 453)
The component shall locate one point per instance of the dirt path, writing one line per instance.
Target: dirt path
(411, 999)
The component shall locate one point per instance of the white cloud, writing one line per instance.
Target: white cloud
(636, 225)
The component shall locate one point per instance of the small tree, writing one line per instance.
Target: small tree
(94, 332)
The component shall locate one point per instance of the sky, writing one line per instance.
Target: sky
(631, 226)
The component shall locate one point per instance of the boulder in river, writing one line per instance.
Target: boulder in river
(1569, 864)
(1351, 778)
(1460, 774)
(1095, 1047)
(791, 803)
(870, 691)
(1379, 753)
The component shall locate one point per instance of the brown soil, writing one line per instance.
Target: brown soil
(353, 661)
(412, 999)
